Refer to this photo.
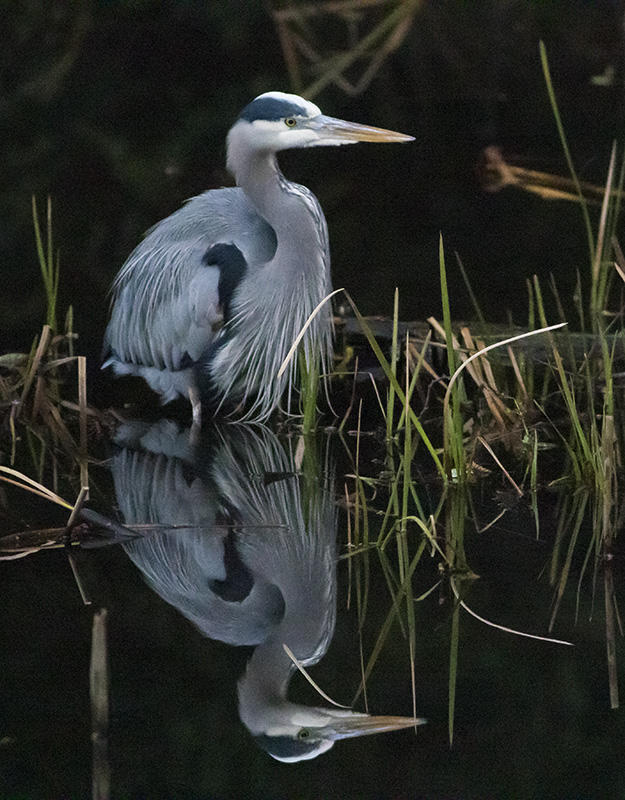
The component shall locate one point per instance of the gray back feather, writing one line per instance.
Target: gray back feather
(165, 299)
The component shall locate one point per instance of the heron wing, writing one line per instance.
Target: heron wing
(194, 564)
(166, 307)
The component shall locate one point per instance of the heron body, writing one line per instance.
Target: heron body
(213, 298)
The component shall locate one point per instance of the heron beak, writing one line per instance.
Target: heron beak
(363, 725)
(343, 132)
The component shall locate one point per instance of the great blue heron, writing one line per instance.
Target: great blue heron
(211, 301)
(255, 565)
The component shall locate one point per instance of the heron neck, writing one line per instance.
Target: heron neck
(263, 688)
(269, 669)
(259, 175)
(265, 684)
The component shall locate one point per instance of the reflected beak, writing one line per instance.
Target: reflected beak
(342, 132)
(363, 725)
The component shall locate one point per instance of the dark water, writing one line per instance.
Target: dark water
(258, 566)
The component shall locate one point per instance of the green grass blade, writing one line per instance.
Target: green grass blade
(453, 670)
(565, 146)
(366, 329)
(390, 405)
(455, 462)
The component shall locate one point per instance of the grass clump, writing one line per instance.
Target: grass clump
(32, 384)
(541, 408)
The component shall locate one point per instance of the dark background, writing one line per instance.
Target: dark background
(119, 111)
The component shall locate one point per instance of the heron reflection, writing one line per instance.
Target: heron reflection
(254, 564)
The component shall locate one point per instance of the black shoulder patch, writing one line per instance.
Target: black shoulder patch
(239, 580)
(271, 109)
(232, 268)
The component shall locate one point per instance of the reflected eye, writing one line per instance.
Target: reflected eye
(303, 734)
(290, 122)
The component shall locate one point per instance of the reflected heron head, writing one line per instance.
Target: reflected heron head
(304, 732)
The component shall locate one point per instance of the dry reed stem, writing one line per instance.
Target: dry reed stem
(498, 173)
(44, 341)
(304, 672)
(305, 326)
(480, 353)
(99, 682)
(503, 627)
(509, 477)
(82, 423)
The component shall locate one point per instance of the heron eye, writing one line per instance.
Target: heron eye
(303, 734)
(290, 122)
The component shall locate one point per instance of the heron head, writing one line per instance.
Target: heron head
(277, 121)
(303, 732)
